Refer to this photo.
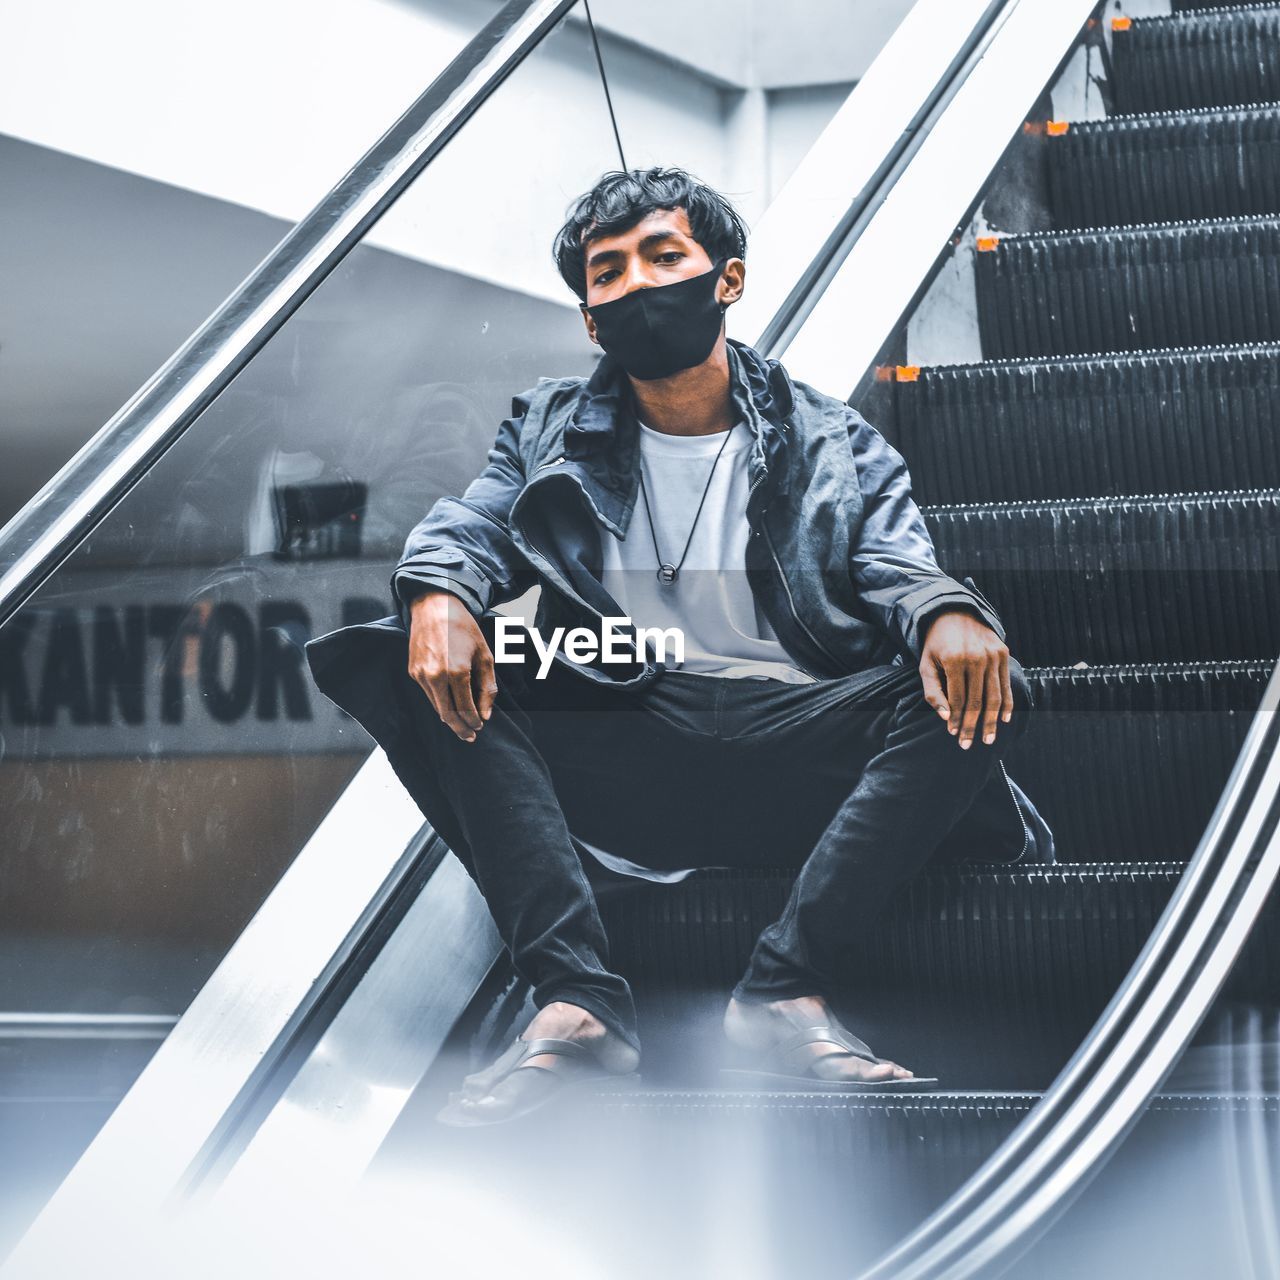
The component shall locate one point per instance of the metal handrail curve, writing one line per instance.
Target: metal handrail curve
(1101, 1093)
(45, 532)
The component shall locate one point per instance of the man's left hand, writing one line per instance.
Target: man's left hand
(965, 670)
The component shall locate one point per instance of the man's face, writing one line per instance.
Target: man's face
(659, 249)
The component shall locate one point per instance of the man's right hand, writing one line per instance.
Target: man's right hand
(450, 658)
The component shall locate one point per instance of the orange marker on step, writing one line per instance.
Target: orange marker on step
(987, 244)
(908, 373)
(1121, 24)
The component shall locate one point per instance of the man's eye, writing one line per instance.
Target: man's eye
(671, 253)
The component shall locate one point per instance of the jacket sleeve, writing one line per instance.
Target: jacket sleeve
(893, 565)
(463, 544)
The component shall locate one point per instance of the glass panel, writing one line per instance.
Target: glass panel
(163, 752)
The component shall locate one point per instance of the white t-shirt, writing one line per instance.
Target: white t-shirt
(710, 600)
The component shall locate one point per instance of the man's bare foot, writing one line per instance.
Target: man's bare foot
(761, 1026)
(490, 1100)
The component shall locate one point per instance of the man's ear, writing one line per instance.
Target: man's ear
(732, 281)
(589, 322)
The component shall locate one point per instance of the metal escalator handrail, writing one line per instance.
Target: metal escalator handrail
(802, 235)
(45, 532)
(867, 282)
(1103, 1090)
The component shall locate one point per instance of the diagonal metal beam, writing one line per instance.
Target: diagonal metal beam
(36, 542)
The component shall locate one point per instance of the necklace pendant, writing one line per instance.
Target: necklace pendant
(667, 573)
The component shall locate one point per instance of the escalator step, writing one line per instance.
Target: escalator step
(963, 959)
(1168, 422)
(1224, 57)
(874, 1127)
(1164, 578)
(1166, 168)
(1130, 288)
(1008, 936)
(799, 1155)
(1151, 749)
(706, 1184)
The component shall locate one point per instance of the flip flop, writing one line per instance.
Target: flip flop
(788, 1066)
(587, 1072)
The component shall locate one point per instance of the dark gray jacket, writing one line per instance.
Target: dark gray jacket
(839, 558)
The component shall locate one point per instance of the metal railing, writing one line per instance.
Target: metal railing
(810, 224)
(82, 494)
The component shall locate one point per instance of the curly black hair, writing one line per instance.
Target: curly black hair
(623, 197)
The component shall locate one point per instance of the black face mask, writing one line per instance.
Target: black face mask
(653, 333)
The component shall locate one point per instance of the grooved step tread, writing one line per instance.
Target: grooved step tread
(962, 959)
(780, 1186)
(967, 1101)
(1208, 57)
(1166, 166)
(1123, 423)
(1148, 578)
(1198, 282)
(1151, 748)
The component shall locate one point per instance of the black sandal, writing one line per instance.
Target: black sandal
(587, 1072)
(788, 1066)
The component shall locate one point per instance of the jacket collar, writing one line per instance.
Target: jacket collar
(603, 433)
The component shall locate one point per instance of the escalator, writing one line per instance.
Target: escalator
(1108, 474)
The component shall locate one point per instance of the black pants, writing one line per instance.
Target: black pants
(854, 781)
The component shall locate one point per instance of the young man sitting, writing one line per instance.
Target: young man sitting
(840, 703)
